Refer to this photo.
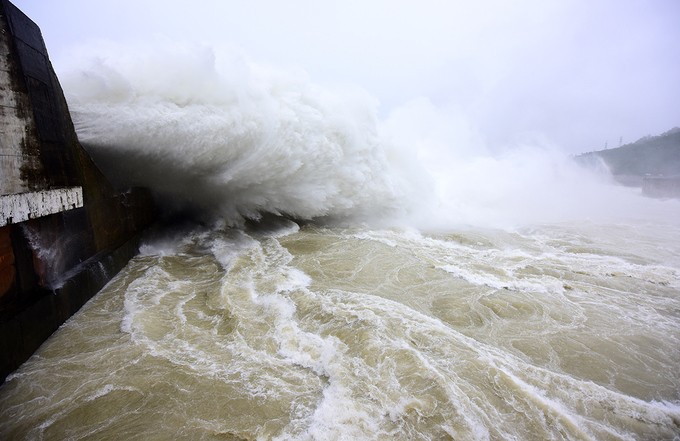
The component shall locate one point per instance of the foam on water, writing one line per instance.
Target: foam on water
(311, 335)
(355, 325)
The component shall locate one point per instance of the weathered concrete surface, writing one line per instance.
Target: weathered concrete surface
(21, 207)
(19, 149)
(54, 261)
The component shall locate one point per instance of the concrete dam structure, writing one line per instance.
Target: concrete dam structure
(65, 231)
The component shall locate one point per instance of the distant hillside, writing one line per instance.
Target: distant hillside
(648, 156)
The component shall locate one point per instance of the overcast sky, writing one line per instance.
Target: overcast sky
(576, 73)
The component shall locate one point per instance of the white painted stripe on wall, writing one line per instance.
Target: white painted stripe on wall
(21, 207)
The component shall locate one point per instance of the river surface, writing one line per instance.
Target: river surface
(557, 331)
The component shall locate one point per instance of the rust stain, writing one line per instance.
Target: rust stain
(7, 269)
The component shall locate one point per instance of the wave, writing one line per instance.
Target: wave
(220, 135)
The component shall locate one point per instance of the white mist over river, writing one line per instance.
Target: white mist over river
(429, 288)
(231, 139)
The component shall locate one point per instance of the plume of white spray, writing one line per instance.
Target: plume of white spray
(233, 139)
(235, 142)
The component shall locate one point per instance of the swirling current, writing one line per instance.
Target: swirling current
(428, 288)
(553, 332)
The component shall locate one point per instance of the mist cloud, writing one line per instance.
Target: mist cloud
(229, 139)
(576, 73)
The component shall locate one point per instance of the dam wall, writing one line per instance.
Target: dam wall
(64, 229)
(661, 186)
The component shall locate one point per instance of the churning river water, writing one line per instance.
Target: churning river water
(554, 332)
(523, 327)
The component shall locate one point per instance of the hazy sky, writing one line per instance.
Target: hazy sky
(577, 73)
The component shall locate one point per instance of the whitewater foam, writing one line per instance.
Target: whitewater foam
(303, 336)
